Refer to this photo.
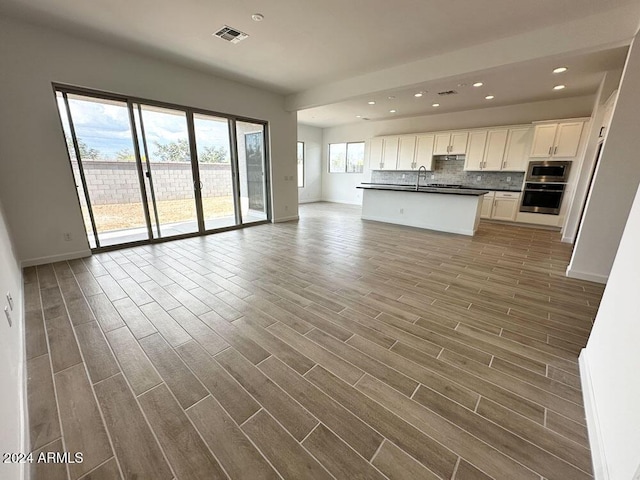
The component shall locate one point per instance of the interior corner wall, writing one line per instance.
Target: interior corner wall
(13, 436)
(615, 182)
(312, 138)
(611, 361)
(341, 187)
(36, 184)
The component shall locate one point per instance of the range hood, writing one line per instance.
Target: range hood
(448, 157)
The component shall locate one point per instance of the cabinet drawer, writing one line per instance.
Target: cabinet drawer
(513, 195)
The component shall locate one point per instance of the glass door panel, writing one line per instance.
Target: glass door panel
(104, 145)
(215, 171)
(168, 170)
(251, 169)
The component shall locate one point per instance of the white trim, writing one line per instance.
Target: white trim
(598, 457)
(25, 439)
(568, 239)
(55, 258)
(286, 219)
(590, 277)
(310, 200)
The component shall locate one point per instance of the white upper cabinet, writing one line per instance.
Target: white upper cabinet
(475, 150)
(494, 153)
(390, 148)
(375, 153)
(556, 140)
(407, 153)
(451, 143)
(442, 143)
(424, 151)
(517, 150)
(567, 139)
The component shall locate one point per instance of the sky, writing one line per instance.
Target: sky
(104, 125)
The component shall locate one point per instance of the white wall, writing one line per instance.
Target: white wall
(611, 361)
(341, 187)
(12, 427)
(36, 185)
(615, 182)
(312, 138)
(609, 83)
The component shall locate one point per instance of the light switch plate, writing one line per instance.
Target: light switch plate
(6, 312)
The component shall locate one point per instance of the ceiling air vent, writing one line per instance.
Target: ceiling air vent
(448, 92)
(230, 34)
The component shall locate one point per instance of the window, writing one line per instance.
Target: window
(346, 157)
(300, 164)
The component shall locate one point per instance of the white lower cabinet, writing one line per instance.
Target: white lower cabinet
(501, 206)
(487, 205)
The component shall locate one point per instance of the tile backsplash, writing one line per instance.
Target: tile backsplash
(451, 171)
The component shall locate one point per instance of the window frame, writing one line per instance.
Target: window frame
(346, 158)
(301, 183)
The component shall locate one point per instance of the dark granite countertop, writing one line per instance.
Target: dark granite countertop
(412, 188)
(462, 187)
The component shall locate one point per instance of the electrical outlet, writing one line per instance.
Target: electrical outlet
(478, 178)
(432, 177)
(286, 208)
(401, 210)
(403, 175)
(508, 179)
(10, 300)
(66, 236)
(6, 312)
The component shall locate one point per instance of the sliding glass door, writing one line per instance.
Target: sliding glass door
(146, 171)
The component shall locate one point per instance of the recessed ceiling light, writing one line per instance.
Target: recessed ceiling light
(435, 105)
(392, 111)
(489, 97)
(257, 17)
(391, 97)
(372, 102)
(418, 95)
(559, 87)
(560, 70)
(462, 84)
(358, 116)
(478, 84)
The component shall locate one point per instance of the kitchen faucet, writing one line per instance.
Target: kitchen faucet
(420, 170)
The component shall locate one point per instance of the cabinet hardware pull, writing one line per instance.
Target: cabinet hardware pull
(504, 164)
(550, 150)
(555, 150)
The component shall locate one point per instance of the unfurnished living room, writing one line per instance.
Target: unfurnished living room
(320, 239)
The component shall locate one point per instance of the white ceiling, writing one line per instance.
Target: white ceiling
(303, 45)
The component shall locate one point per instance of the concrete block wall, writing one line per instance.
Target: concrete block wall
(117, 182)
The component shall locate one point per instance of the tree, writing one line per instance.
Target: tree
(125, 155)
(217, 154)
(86, 153)
(172, 152)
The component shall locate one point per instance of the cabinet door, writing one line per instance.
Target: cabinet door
(424, 151)
(442, 144)
(407, 153)
(567, 139)
(517, 151)
(459, 143)
(390, 153)
(375, 153)
(475, 150)
(487, 205)
(504, 209)
(494, 153)
(543, 138)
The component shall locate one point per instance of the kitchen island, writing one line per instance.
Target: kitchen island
(453, 210)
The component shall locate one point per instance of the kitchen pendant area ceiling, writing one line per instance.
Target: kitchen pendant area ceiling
(326, 56)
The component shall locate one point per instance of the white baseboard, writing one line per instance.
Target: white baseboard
(286, 219)
(458, 231)
(568, 239)
(591, 277)
(55, 258)
(598, 458)
(310, 200)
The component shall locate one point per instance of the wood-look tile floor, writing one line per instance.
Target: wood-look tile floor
(327, 348)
